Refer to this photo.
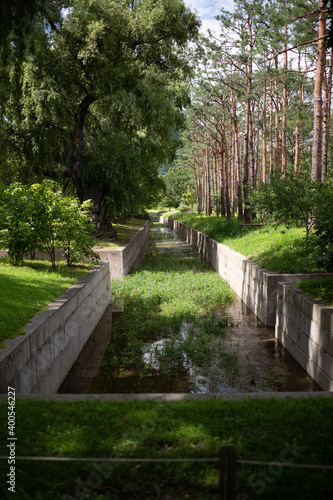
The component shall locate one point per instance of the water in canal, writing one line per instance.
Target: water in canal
(246, 358)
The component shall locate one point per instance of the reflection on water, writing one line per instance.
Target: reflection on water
(247, 359)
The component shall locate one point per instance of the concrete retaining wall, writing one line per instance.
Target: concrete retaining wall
(255, 286)
(305, 327)
(123, 258)
(38, 362)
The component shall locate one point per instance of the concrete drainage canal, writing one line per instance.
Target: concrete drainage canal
(175, 327)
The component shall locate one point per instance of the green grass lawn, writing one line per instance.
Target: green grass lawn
(125, 231)
(280, 250)
(26, 290)
(321, 289)
(294, 431)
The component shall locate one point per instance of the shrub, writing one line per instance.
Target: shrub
(290, 198)
(324, 225)
(40, 217)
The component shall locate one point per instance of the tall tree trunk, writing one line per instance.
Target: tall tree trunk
(277, 150)
(284, 105)
(297, 130)
(317, 97)
(327, 117)
(271, 154)
(264, 131)
(78, 147)
(238, 171)
(95, 191)
(226, 168)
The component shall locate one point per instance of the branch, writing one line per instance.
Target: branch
(296, 46)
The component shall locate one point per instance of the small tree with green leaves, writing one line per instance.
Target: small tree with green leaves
(75, 231)
(288, 199)
(16, 233)
(40, 217)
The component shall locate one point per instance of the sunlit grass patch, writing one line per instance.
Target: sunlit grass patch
(26, 290)
(125, 231)
(278, 249)
(321, 289)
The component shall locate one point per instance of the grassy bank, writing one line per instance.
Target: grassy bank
(277, 249)
(321, 289)
(125, 231)
(297, 431)
(26, 290)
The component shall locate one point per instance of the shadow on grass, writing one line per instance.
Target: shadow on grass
(260, 430)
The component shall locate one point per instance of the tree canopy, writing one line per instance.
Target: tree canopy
(97, 97)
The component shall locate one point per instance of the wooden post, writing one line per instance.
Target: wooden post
(227, 467)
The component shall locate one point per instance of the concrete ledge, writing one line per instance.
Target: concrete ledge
(171, 397)
(38, 361)
(123, 258)
(305, 327)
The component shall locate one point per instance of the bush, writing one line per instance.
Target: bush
(40, 217)
(324, 225)
(290, 198)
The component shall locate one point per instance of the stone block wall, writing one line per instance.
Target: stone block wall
(38, 361)
(305, 327)
(256, 287)
(123, 258)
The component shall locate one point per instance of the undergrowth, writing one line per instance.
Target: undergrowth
(174, 303)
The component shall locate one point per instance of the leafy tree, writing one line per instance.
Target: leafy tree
(16, 234)
(40, 217)
(127, 81)
(178, 181)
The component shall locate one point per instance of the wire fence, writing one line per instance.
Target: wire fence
(227, 462)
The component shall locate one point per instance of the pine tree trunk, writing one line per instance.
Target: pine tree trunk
(327, 117)
(317, 97)
(264, 133)
(284, 106)
(271, 156)
(277, 151)
(297, 130)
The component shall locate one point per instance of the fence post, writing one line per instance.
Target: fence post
(227, 467)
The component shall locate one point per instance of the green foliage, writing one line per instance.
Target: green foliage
(179, 182)
(289, 198)
(321, 289)
(324, 224)
(40, 217)
(75, 231)
(127, 83)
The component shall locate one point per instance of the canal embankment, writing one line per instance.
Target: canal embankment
(258, 289)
